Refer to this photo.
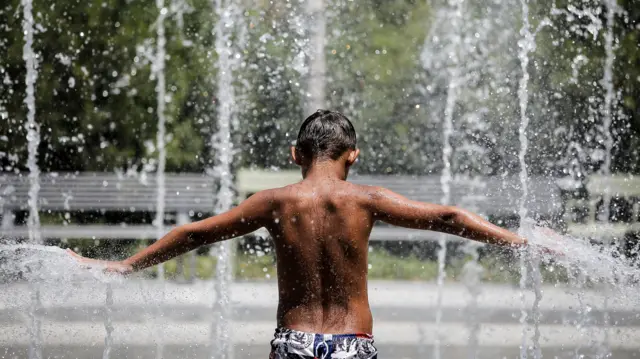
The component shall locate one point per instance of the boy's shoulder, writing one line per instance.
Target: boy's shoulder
(335, 187)
(338, 189)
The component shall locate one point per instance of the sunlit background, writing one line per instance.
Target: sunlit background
(121, 119)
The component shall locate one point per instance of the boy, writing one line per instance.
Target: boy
(320, 227)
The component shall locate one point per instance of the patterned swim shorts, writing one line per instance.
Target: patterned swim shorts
(292, 344)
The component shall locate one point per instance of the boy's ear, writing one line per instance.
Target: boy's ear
(294, 156)
(353, 155)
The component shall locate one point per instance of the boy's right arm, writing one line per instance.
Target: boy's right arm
(247, 217)
(395, 209)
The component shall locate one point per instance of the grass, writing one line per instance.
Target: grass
(382, 265)
(495, 266)
(245, 267)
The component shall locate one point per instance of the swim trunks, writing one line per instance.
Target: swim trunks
(292, 344)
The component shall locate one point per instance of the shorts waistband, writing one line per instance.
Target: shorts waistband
(326, 337)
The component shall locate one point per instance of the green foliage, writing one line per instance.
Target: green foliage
(376, 77)
(96, 92)
(567, 73)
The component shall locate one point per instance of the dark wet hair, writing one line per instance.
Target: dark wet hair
(325, 134)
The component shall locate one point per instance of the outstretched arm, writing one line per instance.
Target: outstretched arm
(395, 209)
(247, 217)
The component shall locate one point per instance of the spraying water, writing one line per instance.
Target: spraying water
(317, 63)
(526, 44)
(447, 153)
(223, 147)
(49, 266)
(607, 111)
(158, 67)
(592, 261)
(583, 321)
(585, 263)
(46, 267)
(32, 127)
(472, 278)
(35, 324)
(445, 181)
(607, 106)
(33, 141)
(158, 71)
(108, 322)
(599, 264)
(472, 271)
(523, 305)
(536, 277)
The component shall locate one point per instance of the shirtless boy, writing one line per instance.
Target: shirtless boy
(320, 228)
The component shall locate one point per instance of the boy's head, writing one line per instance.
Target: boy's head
(325, 135)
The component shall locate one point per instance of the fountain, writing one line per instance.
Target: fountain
(455, 9)
(228, 17)
(607, 110)
(486, 88)
(158, 71)
(317, 61)
(526, 45)
(161, 101)
(472, 279)
(452, 54)
(108, 322)
(33, 139)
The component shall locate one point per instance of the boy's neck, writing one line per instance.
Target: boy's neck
(325, 169)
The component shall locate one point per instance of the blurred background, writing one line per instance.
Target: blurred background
(99, 84)
(120, 119)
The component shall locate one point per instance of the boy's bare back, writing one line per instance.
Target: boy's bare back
(321, 230)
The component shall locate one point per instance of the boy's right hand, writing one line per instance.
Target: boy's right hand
(106, 266)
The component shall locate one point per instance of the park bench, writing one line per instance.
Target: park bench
(584, 217)
(103, 192)
(188, 195)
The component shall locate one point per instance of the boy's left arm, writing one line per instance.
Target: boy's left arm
(395, 209)
(247, 217)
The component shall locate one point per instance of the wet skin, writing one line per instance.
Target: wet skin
(320, 228)
(321, 231)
